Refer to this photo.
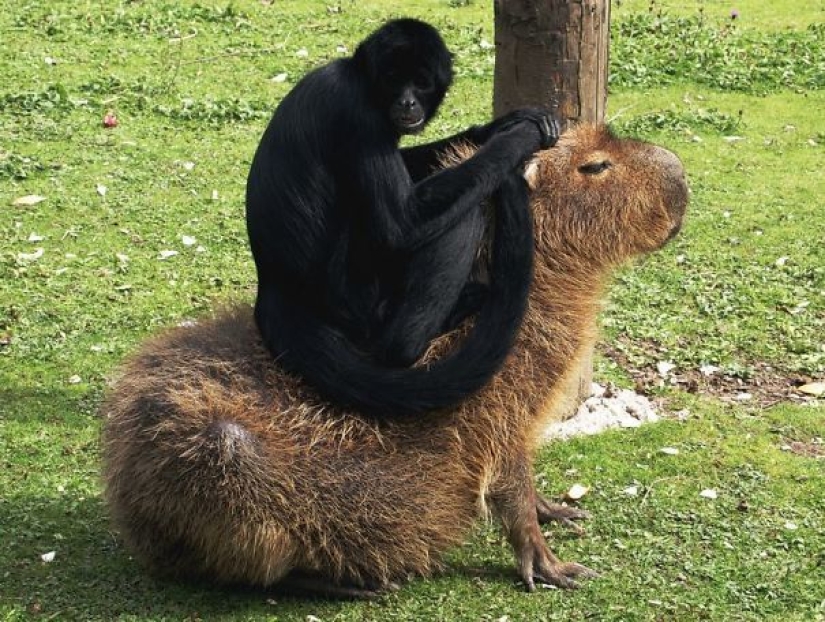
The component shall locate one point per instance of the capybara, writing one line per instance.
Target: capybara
(219, 465)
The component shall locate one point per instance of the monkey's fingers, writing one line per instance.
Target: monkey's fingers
(550, 130)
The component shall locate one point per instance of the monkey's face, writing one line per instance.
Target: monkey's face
(414, 104)
(412, 88)
(407, 70)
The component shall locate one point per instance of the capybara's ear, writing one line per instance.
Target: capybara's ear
(531, 174)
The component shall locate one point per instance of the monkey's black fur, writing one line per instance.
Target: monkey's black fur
(363, 251)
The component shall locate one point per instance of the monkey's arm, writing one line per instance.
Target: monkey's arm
(422, 160)
(404, 216)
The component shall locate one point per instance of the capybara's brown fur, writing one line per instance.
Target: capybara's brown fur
(219, 465)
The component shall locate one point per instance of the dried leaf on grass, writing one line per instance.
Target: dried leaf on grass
(28, 200)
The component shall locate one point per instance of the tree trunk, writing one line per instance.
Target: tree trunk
(554, 54)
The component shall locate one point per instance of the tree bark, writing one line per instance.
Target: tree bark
(554, 53)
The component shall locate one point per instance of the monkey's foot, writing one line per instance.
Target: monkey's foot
(321, 587)
(537, 563)
(563, 514)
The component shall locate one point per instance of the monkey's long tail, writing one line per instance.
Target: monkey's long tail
(328, 361)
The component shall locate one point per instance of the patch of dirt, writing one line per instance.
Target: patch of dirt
(609, 407)
(812, 449)
(764, 386)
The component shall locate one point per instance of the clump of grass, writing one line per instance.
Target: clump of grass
(131, 18)
(54, 99)
(657, 49)
(215, 112)
(685, 122)
(18, 167)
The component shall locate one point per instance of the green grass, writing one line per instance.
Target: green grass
(192, 87)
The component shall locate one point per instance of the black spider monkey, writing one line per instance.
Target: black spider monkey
(363, 250)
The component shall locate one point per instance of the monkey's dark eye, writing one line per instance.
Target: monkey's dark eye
(594, 168)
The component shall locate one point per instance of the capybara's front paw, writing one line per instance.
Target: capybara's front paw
(564, 514)
(537, 563)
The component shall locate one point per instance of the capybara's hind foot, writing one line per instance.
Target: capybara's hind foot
(564, 514)
(537, 563)
(299, 584)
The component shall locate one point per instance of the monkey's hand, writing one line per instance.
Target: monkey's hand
(549, 129)
(542, 118)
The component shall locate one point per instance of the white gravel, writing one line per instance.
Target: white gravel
(607, 407)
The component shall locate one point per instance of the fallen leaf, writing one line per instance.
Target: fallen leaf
(665, 367)
(28, 200)
(816, 389)
(708, 493)
(26, 257)
(576, 492)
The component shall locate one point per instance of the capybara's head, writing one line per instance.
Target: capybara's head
(603, 198)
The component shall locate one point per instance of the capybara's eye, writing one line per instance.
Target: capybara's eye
(594, 168)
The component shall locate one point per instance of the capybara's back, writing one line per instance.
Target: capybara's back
(218, 465)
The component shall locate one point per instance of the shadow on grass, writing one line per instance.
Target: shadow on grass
(92, 577)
